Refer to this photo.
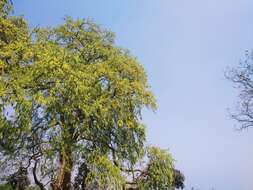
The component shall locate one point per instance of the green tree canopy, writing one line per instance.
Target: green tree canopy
(70, 108)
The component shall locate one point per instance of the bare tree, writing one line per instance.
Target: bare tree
(242, 78)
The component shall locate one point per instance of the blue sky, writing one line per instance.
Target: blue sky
(185, 47)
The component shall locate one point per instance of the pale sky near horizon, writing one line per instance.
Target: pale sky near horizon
(185, 47)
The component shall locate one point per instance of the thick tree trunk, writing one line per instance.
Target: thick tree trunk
(67, 181)
(63, 180)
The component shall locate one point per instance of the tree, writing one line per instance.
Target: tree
(242, 78)
(70, 107)
(158, 173)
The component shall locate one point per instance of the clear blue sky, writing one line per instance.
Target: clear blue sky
(185, 46)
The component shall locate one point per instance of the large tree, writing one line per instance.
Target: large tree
(70, 109)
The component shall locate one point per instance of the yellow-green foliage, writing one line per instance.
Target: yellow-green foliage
(71, 92)
(159, 170)
(103, 174)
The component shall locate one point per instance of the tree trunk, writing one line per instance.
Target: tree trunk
(63, 180)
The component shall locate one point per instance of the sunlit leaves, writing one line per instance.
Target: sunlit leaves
(76, 99)
(103, 174)
(159, 172)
